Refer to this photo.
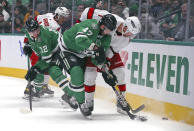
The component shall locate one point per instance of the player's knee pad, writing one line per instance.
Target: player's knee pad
(120, 74)
(90, 76)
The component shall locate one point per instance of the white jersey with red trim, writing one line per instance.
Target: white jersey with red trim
(117, 42)
(91, 13)
(48, 21)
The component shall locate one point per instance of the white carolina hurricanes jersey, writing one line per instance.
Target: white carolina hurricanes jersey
(117, 42)
(48, 21)
(91, 13)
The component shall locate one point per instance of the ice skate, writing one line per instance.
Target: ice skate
(119, 107)
(120, 110)
(90, 105)
(84, 109)
(35, 94)
(71, 101)
(46, 91)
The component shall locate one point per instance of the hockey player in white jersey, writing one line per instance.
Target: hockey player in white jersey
(125, 30)
(54, 22)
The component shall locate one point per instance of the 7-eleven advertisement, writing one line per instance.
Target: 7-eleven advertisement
(162, 72)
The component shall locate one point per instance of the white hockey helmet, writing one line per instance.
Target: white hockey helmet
(133, 24)
(62, 11)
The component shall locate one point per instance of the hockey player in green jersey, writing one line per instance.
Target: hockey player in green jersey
(82, 40)
(54, 22)
(88, 38)
(44, 43)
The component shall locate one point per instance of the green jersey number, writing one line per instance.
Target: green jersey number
(44, 49)
(86, 30)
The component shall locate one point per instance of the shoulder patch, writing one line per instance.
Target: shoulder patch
(94, 26)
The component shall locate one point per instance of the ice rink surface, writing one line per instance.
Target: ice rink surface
(49, 115)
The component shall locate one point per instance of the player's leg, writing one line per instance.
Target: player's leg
(37, 84)
(77, 87)
(120, 74)
(33, 59)
(45, 88)
(75, 66)
(117, 67)
(89, 84)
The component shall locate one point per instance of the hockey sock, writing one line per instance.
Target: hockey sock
(38, 82)
(89, 92)
(77, 84)
(122, 88)
(46, 79)
(57, 75)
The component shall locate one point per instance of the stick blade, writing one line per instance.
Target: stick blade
(140, 108)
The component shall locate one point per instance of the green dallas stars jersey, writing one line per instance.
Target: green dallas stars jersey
(82, 35)
(45, 46)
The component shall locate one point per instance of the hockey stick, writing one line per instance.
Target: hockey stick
(138, 109)
(30, 87)
(125, 106)
(30, 95)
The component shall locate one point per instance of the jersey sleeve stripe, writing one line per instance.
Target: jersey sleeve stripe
(47, 58)
(80, 34)
(90, 13)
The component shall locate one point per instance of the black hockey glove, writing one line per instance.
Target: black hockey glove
(99, 55)
(31, 74)
(27, 50)
(109, 78)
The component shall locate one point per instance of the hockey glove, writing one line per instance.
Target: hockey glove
(99, 55)
(27, 50)
(109, 78)
(31, 74)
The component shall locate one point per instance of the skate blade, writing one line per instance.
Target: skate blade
(67, 109)
(47, 96)
(66, 106)
(88, 117)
